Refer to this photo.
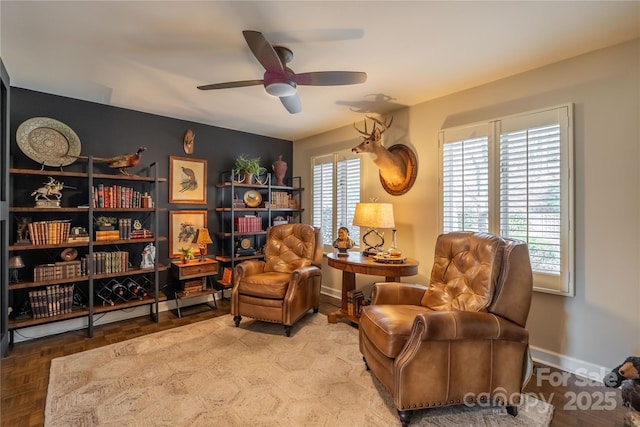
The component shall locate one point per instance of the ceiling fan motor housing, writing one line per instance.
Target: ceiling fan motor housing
(279, 84)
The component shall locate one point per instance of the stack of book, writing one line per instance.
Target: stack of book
(59, 270)
(51, 301)
(102, 235)
(141, 234)
(355, 301)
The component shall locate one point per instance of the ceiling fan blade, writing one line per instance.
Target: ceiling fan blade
(292, 103)
(263, 51)
(330, 78)
(229, 85)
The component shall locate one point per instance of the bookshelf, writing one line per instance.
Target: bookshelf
(51, 288)
(243, 227)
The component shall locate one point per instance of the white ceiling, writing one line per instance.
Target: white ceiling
(150, 55)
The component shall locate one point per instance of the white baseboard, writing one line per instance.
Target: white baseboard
(332, 292)
(569, 364)
(40, 331)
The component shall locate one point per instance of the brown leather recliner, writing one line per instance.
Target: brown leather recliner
(460, 340)
(286, 285)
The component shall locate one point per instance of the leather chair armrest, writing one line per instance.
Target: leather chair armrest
(464, 325)
(396, 293)
(248, 268)
(302, 274)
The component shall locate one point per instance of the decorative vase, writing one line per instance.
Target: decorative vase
(248, 178)
(279, 170)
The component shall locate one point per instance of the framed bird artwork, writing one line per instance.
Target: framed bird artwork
(187, 180)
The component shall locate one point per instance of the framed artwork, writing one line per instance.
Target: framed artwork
(187, 180)
(182, 229)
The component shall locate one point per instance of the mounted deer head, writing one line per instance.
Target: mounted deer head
(397, 165)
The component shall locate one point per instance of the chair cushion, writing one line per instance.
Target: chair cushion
(266, 285)
(289, 247)
(465, 271)
(388, 327)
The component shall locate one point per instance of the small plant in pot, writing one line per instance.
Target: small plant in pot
(246, 169)
(106, 222)
(187, 254)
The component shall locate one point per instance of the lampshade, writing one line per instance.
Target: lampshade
(374, 215)
(16, 262)
(202, 237)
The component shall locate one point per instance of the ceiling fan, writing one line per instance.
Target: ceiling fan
(279, 80)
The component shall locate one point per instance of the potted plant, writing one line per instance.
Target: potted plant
(187, 254)
(106, 222)
(245, 169)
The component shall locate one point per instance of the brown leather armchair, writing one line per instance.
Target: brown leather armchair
(286, 285)
(460, 340)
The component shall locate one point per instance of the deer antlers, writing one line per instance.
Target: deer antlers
(383, 125)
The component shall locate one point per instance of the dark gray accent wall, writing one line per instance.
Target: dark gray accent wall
(106, 131)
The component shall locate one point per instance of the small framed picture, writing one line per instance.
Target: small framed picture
(187, 180)
(182, 229)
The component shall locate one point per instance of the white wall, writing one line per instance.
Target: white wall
(600, 326)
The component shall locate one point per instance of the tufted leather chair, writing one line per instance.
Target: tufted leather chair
(286, 285)
(460, 340)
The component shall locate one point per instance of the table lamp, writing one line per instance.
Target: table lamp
(202, 239)
(15, 263)
(373, 216)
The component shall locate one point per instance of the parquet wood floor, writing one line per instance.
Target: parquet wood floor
(25, 373)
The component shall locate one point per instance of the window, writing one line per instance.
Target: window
(336, 190)
(512, 176)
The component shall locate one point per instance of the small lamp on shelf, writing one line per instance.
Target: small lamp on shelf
(202, 239)
(373, 216)
(15, 263)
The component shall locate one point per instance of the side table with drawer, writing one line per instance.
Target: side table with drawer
(195, 280)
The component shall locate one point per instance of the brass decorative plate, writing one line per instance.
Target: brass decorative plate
(48, 141)
(252, 198)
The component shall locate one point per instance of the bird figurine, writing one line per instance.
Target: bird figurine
(123, 162)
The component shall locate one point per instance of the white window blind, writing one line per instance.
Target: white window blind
(336, 190)
(530, 156)
(465, 186)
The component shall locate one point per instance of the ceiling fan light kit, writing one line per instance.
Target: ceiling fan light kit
(281, 81)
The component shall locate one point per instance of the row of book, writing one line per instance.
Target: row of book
(49, 232)
(280, 200)
(109, 262)
(355, 301)
(58, 270)
(118, 196)
(51, 301)
(248, 224)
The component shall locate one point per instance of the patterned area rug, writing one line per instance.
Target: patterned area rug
(212, 373)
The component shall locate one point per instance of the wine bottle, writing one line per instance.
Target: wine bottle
(137, 290)
(118, 289)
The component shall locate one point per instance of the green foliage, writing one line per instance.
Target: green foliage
(106, 220)
(244, 165)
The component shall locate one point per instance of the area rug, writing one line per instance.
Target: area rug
(212, 373)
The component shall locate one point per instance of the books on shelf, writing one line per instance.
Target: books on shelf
(117, 196)
(51, 301)
(248, 224)
(109, 262)
(49, 232)
(58, 270)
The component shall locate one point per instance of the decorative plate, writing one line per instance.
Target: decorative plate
(252, 198)
(389, 259)
(48, 141)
